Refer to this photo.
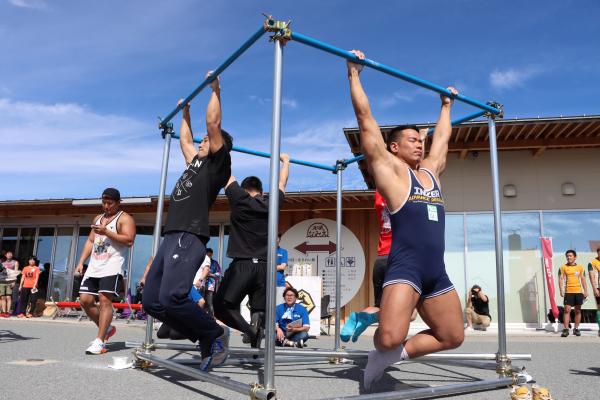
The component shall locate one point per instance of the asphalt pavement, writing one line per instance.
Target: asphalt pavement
(46, 359)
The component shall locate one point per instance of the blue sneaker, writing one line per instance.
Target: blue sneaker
(348, 328)
(219, 351)
(363, 321)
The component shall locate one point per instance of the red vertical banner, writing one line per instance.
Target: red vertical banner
(547, 255)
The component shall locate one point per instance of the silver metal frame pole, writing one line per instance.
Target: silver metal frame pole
(502, 358)
(352, 354)
(338, 255)
(437, 391)
(239, 387)
(273, 219)
(158, 224)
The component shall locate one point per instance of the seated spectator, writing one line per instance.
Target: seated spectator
(292, 321)
(28, 287)
(478, 310)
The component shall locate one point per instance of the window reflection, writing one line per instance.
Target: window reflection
(61, 270)
(579, 231)
(26, 244)
(523, 274)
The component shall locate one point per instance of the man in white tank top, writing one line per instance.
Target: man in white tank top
(113, 232)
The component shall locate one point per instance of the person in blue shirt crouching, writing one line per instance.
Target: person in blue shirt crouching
(292, 321)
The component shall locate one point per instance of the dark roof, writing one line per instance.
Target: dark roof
(534, 134)
(294, 201)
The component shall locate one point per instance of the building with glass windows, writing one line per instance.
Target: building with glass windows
(549, 174)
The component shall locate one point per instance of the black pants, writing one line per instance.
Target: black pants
(208, 296)
(379, 277)
(25, 300)
(168, 284)
(243, 278)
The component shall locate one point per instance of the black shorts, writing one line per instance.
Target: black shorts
(573, 299)
(379, 277)
(243, 278)
(106, 284)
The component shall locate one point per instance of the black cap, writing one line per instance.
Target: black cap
(112, 194)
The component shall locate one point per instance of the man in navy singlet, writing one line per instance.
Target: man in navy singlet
(415, 275)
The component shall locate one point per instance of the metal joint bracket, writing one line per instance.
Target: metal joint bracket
(281, 29)
(167, 129)
(258, 392)
(340, 165)
(495, 105)
(503, 365)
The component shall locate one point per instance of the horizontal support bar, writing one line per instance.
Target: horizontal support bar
(438, 391)
(226, 383)
(429, 132)
(352, 354)
(298, 37)
(267, 155)
(232, 360)
(215, 73)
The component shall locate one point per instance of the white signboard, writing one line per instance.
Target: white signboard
(313, 243)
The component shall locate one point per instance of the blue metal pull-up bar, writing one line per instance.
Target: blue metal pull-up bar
(267, 155)
(429, 133)
(215, 73)
(390, 71)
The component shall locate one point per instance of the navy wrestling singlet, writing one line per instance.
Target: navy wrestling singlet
(417, 254)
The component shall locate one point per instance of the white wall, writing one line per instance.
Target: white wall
(467, 183)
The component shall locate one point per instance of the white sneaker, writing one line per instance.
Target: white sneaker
(469, 329)
(96, 347)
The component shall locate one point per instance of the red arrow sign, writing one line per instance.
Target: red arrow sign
(304, 248)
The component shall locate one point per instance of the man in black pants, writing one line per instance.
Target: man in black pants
(186, 233)
(248, 247)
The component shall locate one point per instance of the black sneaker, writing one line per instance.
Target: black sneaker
(576, 332)
(564, 333)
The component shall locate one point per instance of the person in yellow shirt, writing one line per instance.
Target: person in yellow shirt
(573, 288)
(594, 270)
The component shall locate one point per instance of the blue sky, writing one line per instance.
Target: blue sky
(82, 83)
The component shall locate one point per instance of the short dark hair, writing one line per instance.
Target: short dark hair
(227, 139)
(290, 289)
(395, 133)
(252, 183)
(111, 194)
(209, 250)
(571, 251)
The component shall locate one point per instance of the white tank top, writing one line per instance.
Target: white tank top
(107, 256)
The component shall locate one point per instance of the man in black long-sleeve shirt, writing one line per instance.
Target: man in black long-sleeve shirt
(248, 247)
(170, 277)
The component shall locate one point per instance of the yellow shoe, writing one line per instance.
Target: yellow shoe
(520, 393)
(540, 393)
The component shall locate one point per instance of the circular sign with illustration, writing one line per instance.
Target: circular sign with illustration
(311, 247)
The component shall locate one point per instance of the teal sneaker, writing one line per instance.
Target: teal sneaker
(348, 328)
(363, 321)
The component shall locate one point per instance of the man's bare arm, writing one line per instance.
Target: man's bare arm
(186, 138)
(213, 116)
(584, 285)
(593, 281)
(87, 249)
(436, 160)
(380, 162)
(284, 172)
